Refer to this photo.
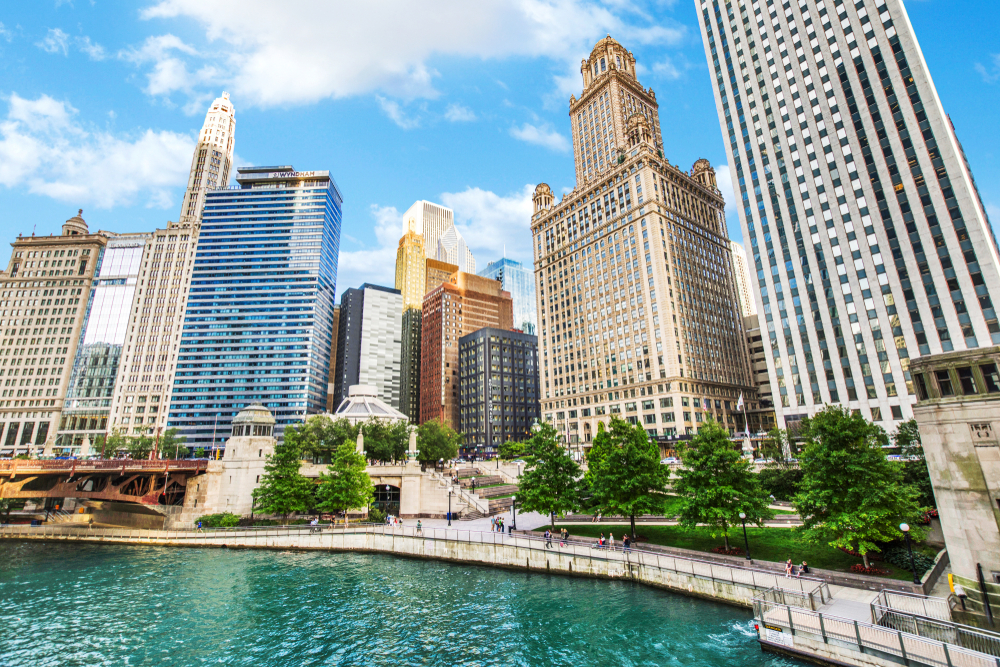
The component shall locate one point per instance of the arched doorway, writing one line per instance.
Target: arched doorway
(387, 499)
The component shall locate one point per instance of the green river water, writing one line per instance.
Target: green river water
(69, 604)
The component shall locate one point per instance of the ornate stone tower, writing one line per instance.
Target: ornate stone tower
(213, 157)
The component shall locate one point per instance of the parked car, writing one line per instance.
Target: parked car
(669, 460)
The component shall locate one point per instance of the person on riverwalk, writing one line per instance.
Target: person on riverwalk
(501, 524)
(600, 542)
(803, 569)
(420, 528)
(199, 527)
(626, 543)
(788, 568)
(565, 537)
(611, 541)
(548, 539)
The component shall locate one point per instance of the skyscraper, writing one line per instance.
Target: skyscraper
(411, 277)
(43, 306)
(259, 320)
(452, 249)
(149, 358)
(430, 221)
(464, 304)
(87, 407)
(369, 342)
(520, 282)
(635, 288)
(213, 157)
(743, 280)
(870, 243)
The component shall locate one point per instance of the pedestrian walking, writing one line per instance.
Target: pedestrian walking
(548, 539)
(600, 542)
(626, 543)
(493, 524)
(501, 524)
(565, 537)
(420, 527)
(199, 527)
(788, 568)
(611, 541)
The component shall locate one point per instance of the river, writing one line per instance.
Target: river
(76, 604)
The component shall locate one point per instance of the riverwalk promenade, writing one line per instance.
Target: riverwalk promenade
(797, 616)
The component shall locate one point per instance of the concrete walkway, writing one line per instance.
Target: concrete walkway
(525, 521)
(850, 603)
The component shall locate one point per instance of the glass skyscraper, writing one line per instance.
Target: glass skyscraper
(259, 321)
(92, 380)
(520, 282)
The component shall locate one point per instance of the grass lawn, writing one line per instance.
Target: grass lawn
(773, 544)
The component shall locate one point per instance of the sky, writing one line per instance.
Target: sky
(460, 103)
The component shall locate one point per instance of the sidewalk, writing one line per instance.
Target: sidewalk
(525, 521)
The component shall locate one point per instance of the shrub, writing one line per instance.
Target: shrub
(782, 483)
(859, 568)
(223, 520)
(900, 557)
(735, 551)
(375, 515)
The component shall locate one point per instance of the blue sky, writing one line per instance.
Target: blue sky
(463, 103)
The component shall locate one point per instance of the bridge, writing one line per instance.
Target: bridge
(158, 482)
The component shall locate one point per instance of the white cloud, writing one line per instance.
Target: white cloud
(279, 53)
(542, 136)
(94, 51)
(492, 223)
(667, 69)
(45, 150)
(169, 72)
(375, 265)
(992, 73)
(457, 113)
(395, 112)
(5, 34)
(55, 42)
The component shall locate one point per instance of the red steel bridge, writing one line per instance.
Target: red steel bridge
(157, 482)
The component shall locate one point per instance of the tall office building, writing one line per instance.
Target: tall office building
(464, 304)
(369, 342)
(86, 410)
(430, 221)
(213, 157)
(259, 320)
(869, 240)
(141, 400)
(520, 282)
(452, 249)
(411, 277)
(43, 299)
(498, 388)
(744, 290)
(436, 274)
(636, 294)
(332, 379)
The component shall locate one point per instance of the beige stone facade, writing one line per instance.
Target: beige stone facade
(43, 298)
(636, 293)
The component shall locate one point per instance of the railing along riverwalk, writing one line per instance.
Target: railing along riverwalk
(311, 536)
(868, 638)
(930, 617)
(812, 599)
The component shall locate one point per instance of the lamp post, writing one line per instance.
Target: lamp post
(746, 542)
(441, 464)
(387, 500)
(513, 511)
(449, 507)
(913, 564)
(473, 486)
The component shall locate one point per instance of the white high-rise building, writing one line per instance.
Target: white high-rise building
(743, 289)
(869, 241)
(452, 249)
(431, 221)
(146, 372)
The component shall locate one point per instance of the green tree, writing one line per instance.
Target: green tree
(436, 440)
(717, 483)
(511, 450)
(777, 446)
(624, 471)
(852, 496)
(386, 441)
(199, 453)
(115, 443)
(139, 446)
(915, 472)
(345, 485)
(172, 445)
(283, 489)
(550, 483)
(323, 436)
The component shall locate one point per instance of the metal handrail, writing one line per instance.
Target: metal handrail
(731, 574)
(914, 603)
(976, 639)
(804, 599)
(913, 649)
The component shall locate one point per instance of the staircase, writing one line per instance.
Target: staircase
(489, 486)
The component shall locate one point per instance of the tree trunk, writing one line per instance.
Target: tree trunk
(632, 517)
(552, 519)
(725, 536)
(864, 558)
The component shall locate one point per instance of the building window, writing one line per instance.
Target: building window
(991, 378)
(967, 381)
(921, 386)
(944, 383)
(897, 411)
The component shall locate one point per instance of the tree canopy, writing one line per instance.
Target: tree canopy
(512, 450)
(172, 445)
(624, 471)
(550, 483)
(345, 485)
(436, 440)
(385, 441)
(322, 436)
(283, 489)
(851, 495)
(717, 483)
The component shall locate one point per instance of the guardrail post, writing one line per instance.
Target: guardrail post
(791, 630)
(947, 655)
(857, 633)
(902, 647)
(822, 629)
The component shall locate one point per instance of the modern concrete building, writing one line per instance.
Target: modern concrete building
(520, 282)
(759, 412)
(464, 304)
(636, 293)
(451, 248)
(411, 281)
(870, 245)
(149, 358)
(86, 410)
(743, 281)
(958, 414)
(212, 160)
(369, 342)
(498, 389)
(43, 297)
(259, 320)
(430, 221)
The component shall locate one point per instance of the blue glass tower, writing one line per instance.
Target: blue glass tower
(520, 282)
(259, 321)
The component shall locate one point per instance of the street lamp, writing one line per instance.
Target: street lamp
(449, 507)
(473, 486)
(746, 542)
(513, 511)
(913, 564)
